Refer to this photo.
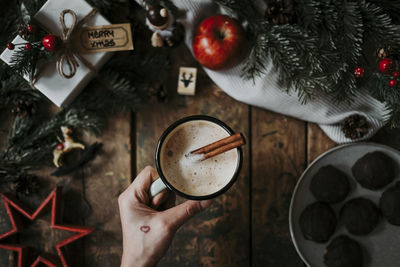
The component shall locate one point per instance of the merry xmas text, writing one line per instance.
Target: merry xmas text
(102, 34)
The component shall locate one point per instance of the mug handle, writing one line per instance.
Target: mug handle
(156, 187)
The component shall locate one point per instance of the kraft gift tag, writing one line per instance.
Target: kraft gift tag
(106, 38)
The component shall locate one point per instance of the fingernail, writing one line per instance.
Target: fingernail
(206, 203)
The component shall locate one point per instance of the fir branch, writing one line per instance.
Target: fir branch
(14, 88)
(33, 139)
(125, 95)
(329, 17)
(82, 119)
(255, 64)
(379, 27)
(326, 30)
(25, 62)
(286, 48)
(9, 172)
(350, 23)
(389, 6)
(378, 86)
(349, 48)
(293, 54)
(308, 13)
(9, 20)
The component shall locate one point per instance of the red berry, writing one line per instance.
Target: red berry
(358, 72)
(28, 46)
(396, 74)
(50, 42)
(385, 65)
(60, 146)
(10, 46)
(392, 83)
(31, 29)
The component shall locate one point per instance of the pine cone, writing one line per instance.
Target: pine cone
(24, 107)
(355, 126)
(26, 184)
(280, 11)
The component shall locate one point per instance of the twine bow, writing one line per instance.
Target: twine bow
(68, 54)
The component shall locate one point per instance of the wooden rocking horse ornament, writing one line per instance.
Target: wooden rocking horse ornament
(65, 146)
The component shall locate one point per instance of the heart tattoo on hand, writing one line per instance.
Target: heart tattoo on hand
(145, 229)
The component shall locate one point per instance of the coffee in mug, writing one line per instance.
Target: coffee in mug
(191, 177)
(188, 174)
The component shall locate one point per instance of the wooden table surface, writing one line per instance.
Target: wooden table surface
(247, 226)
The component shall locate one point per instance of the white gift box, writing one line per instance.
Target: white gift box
(59, 90)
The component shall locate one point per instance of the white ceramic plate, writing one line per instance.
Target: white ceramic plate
(382, 246)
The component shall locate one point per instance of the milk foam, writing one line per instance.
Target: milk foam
(192, 177)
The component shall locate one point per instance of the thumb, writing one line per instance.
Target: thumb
(181, 213)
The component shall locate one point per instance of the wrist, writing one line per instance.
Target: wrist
(129, 260)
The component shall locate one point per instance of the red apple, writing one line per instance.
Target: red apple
(218, 42)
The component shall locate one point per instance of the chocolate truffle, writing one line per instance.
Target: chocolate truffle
(390, 204)
(343, 252)
(374, 170)
(318, 222)
(360, 216)
(330, 185)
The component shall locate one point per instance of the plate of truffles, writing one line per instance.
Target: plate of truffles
(345, 208)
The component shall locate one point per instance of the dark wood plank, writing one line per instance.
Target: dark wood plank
(220, 235)
(105, 178)
(317, 142)
(278, 158)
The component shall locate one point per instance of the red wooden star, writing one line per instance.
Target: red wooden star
(14, 206)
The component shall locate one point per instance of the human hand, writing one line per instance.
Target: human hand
(149, 225)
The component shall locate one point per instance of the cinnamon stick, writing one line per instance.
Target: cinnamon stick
(219, 147)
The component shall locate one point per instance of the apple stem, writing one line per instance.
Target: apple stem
(220, 35)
